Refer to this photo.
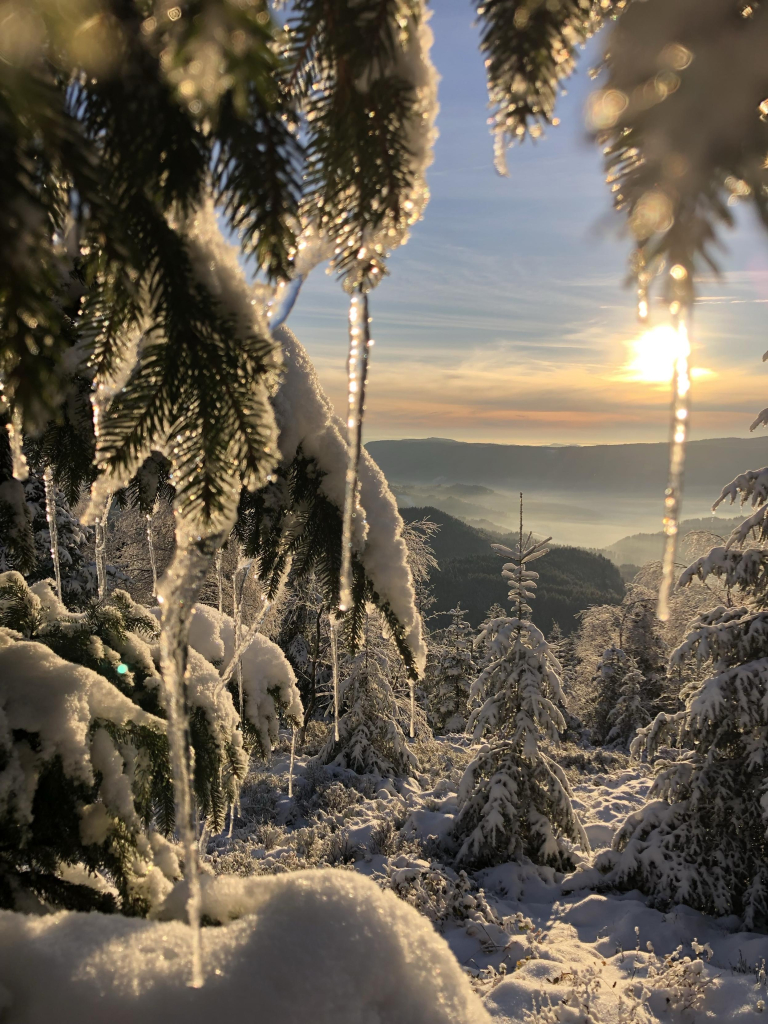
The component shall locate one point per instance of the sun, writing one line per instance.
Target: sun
(652, 356)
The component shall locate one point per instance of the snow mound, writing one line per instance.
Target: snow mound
(323, 946)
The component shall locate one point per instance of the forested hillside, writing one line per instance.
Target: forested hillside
(570, 579)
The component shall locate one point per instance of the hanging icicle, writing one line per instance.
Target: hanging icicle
(19, 467)
(101, 548)
(53, 526)
(152, 559)
(335, 668)
(220, 580)
(681, 385)
(178, 590)
(412, 732)
(357, 368)
(293, 756)
(283, 301)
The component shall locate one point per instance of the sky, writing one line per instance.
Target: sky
(506, 317)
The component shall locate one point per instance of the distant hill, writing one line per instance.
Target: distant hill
(612, 468)
(641, 548)
(570, 579)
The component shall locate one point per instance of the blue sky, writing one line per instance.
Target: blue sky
(505, 317)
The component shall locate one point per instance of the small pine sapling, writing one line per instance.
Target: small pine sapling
(514, 799)
(372, 738)
(454, 672)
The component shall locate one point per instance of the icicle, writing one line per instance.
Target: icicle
(293, 755)
(19, 467)
(359, 344)
(101, 548)
(177, 593)
(237, 615)
(220, 580)
(283, 301)
(53, 526)
(152, 559)
(335, 667)
(673, 495)
(413, 710)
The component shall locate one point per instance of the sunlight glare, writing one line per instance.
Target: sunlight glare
(653, 355)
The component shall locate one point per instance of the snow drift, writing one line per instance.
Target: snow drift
(323, 946)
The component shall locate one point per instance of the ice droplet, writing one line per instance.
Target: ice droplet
(335, 667)
(152, 559)
(101, 548)
(673, 495)
(53, 526)
(357, 374)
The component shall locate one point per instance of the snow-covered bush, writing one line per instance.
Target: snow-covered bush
(84, 775)
(514, 799)
(442, 895)
(268, 681)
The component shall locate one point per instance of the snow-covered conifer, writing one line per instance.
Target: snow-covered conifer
(514, 799)
(373, 726)
(632, 710)
(453, 673)
(85, 782)
(701, 838)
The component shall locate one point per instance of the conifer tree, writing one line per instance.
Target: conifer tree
(373, 726)
(453, 673)
(701, 839)
(514, 800)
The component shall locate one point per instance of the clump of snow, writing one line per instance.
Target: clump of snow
(57, 701)
(321, 946)
(306, 419)
(268, 678)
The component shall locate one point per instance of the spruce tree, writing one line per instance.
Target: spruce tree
(514, 799)
(453, 673)
(373, 726)
(701, 839)
(86, 781)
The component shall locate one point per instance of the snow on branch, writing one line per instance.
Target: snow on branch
(306, 419)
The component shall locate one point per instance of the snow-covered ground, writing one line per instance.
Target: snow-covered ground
(535, 945)
(558, 937)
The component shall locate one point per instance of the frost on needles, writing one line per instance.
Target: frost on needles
(514, 799)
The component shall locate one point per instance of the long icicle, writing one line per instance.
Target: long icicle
(220, 580)
(293, 756)
(152, 559)
(53, 525)
(101, 549)
(357, 369)
(177, 593)
(413, 709)
(674, 493)
(335, 667)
